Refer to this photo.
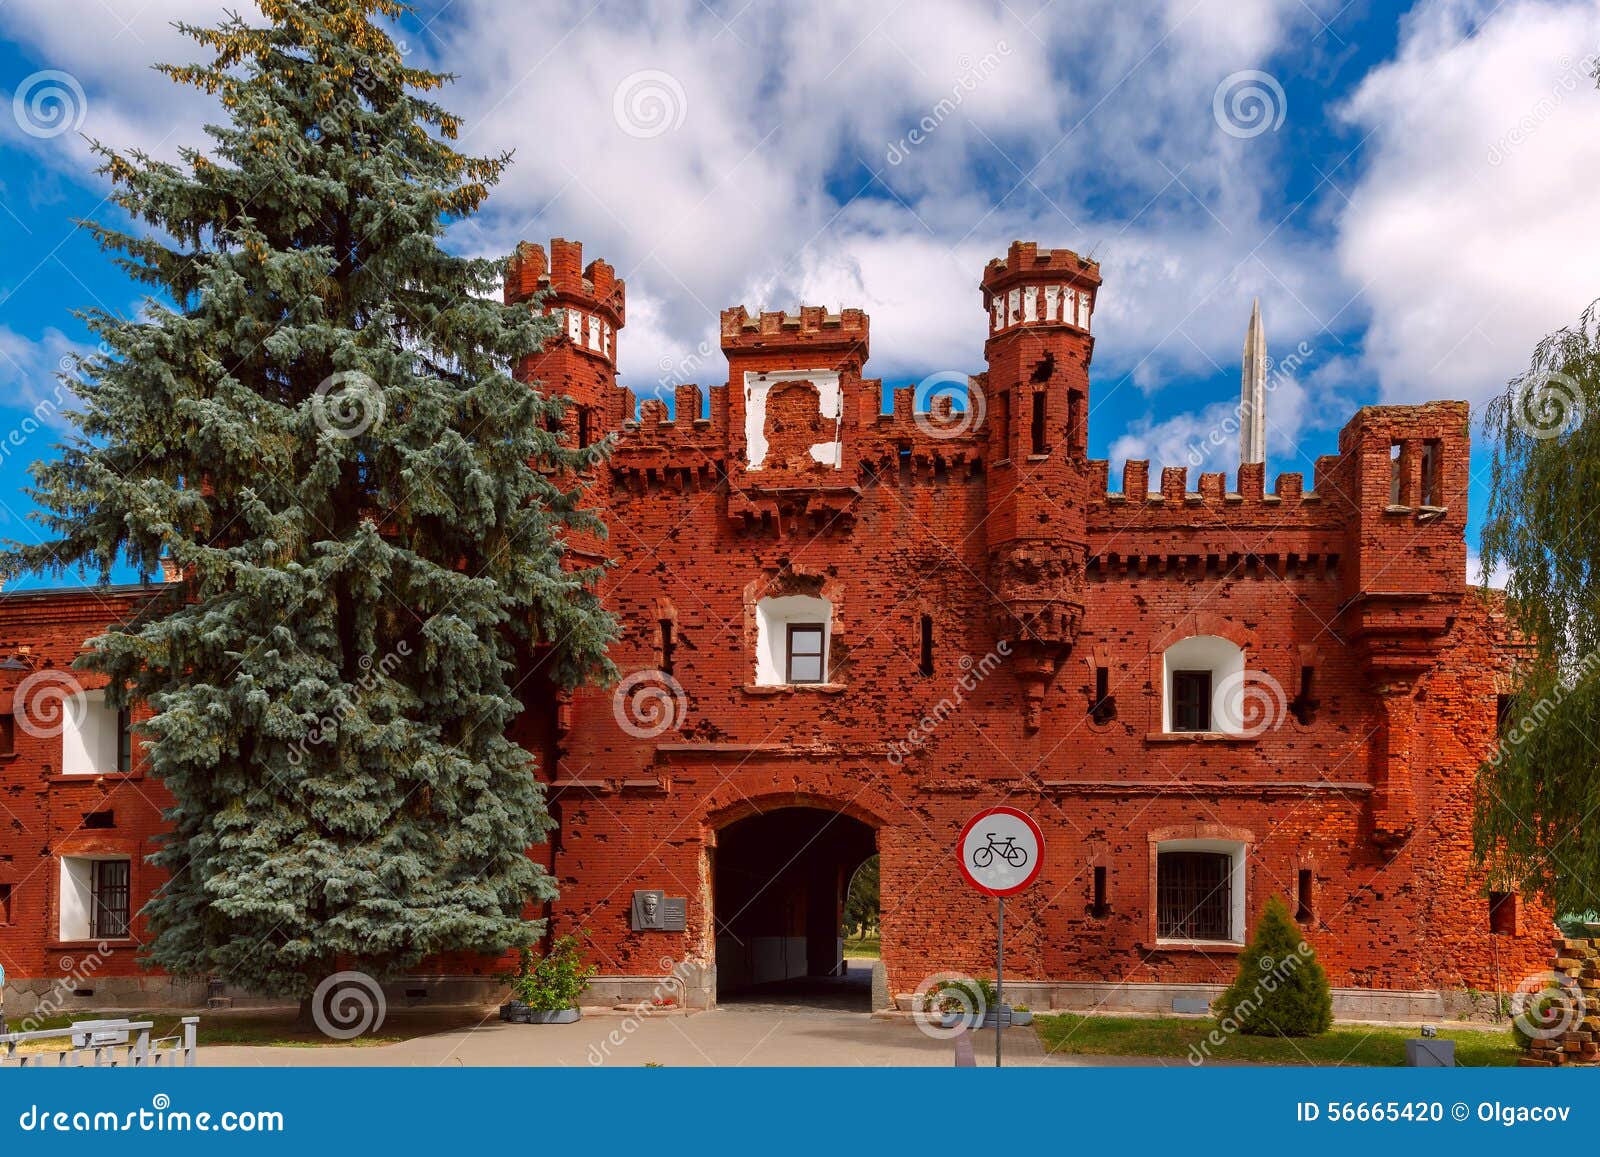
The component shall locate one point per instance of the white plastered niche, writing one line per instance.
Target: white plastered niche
(830, 406)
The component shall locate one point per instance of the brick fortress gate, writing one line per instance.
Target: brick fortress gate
(844, 631)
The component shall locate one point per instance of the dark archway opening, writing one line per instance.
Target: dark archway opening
(779, 885)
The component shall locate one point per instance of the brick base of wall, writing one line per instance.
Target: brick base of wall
(1351, 1004)
(26, 998)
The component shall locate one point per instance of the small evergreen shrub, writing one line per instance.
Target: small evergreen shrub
(1281, 989)
(969, 995)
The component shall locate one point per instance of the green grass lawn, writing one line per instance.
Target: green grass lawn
(1129, 1036)
(269, 1028)
(866, 946)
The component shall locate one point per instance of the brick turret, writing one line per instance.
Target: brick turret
(1402, 479)
(580, 363)
(1039, 303)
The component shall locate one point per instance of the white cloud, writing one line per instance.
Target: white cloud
(775, 189)
(1497, 578)
(29, 374)
(1474, 223)
(108, 48)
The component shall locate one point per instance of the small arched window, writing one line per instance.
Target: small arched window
(1197, 673)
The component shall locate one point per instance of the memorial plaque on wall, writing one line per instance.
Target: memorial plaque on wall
(655, 911)
(647, 910)
(674, 913)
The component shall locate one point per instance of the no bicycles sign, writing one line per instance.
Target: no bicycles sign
(1000, 851)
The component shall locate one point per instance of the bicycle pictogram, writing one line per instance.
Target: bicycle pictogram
(1006, 849)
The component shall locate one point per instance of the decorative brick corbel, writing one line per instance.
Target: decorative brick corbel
(1035, 666)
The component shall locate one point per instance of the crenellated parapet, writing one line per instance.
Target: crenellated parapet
(1032, 286)
(811, 333)
(1189, 516)
(589, 299)
(684, 449)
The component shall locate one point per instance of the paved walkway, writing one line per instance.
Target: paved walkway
(755, 1034)
(801, 1023)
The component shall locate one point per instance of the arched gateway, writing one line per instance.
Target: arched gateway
(779, 878)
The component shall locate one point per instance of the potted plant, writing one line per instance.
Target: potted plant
(1021, 1016)
(546, 989)
(966, 1001)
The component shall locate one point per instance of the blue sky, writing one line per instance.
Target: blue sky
(1408, 190)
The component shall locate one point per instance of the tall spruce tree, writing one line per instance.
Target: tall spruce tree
(316, 420)
(1537, 814)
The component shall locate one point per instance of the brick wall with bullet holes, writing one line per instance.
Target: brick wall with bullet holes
(998, 612)
(51, 810)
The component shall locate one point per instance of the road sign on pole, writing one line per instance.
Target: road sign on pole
(1000, 852)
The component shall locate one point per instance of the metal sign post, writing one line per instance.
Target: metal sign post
(1000, 852)
(999, 972)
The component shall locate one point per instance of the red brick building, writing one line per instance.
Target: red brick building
(845, 631)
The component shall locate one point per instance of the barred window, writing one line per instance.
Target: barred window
(110, 894)
(1194, 896)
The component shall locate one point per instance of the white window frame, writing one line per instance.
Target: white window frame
(89, 736)
(1225, 660)
(774, 616)
(75, 921)
(1238, 851)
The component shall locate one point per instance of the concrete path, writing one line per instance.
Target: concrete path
(755, 1034)
(806, 1023)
